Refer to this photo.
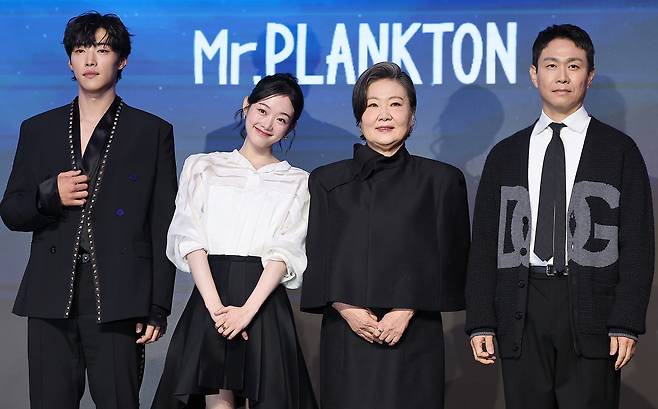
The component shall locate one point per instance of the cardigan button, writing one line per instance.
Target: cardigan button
(53, 250)
(518, 315)
(521, 284)
(515, 348)
(523, 251)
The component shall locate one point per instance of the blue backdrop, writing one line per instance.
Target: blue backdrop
(193, 62)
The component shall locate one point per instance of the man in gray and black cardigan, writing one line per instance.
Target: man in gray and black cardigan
(562, 256)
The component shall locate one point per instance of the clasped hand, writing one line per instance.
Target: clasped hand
(393, 324)
(365, 324)
(231, 321)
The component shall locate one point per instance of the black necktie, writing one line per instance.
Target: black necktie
(551, 218)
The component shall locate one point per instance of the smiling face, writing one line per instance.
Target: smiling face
(268, 120)
(387, 120)
(562, 77)
(96, 67)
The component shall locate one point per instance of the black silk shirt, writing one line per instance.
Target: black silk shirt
(48, 199)
(387, 232)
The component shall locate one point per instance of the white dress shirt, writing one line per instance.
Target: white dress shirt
(573, 138)
(226, 206)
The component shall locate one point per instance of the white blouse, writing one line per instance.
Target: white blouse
(226, 206)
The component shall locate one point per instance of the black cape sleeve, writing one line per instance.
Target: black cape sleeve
(454, 238)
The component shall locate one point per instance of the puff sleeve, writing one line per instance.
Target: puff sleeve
(288, 243)
(186, 232)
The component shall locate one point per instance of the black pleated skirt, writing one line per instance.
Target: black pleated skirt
(356, 374)
(268, 369)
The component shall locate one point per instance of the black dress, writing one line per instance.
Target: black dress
(385, 232)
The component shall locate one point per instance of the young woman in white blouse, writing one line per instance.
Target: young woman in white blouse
(239, 228)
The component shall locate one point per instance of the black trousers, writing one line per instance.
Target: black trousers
(60, 351)
(549, 374)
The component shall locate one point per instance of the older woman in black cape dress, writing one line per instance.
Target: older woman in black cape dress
(387, 248)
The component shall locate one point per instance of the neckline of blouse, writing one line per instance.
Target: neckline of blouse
(272, 167)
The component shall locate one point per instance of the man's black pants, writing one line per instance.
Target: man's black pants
(60, 351)
(549, 374)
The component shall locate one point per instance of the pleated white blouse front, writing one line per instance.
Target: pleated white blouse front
(226, 206)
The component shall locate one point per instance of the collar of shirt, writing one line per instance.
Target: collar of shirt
(238, 158)
(89, 161)
(369, 161)
(576, 122)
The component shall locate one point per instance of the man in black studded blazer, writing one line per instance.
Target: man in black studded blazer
(562, 256)
(94, 182)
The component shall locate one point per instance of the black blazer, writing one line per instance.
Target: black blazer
(386, 232)
(130, 217)
(610, 243)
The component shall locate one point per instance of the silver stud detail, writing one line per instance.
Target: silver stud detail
(85, 215)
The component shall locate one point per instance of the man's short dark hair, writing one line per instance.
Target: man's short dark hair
(569, 32)
(379, 71)
(81, 32)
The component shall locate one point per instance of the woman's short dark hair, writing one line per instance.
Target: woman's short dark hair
(379, 71)
(271, 85)
(568, 31)
(81, 32)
